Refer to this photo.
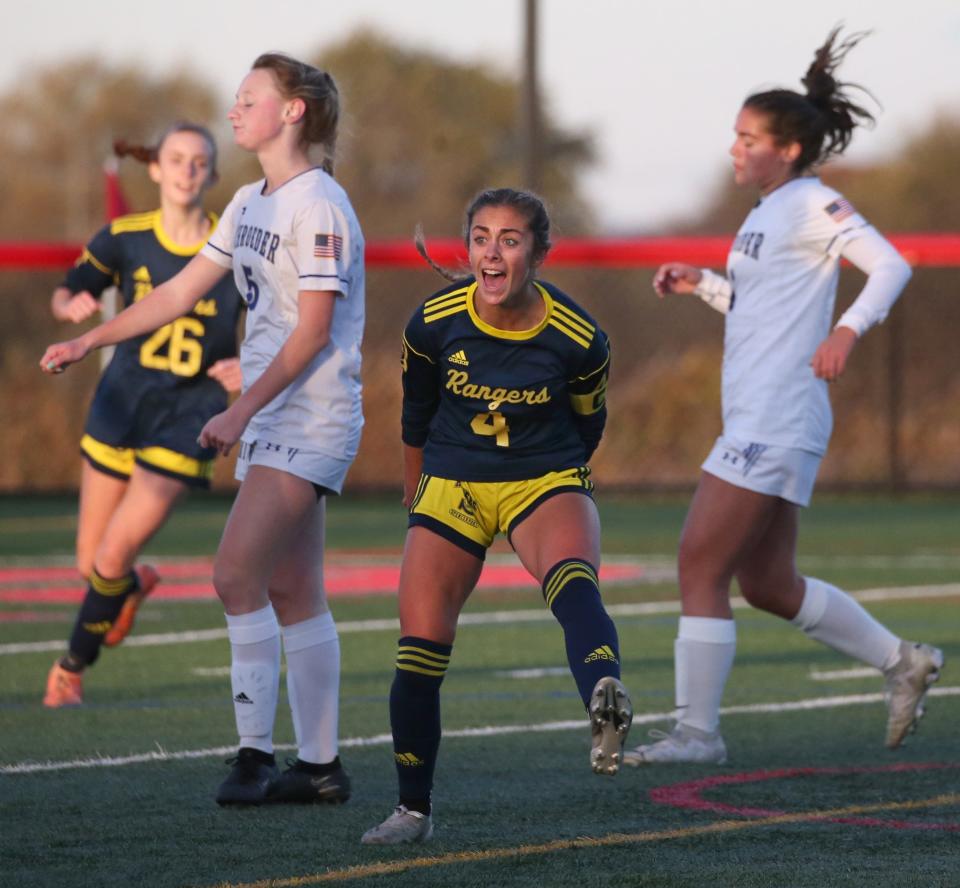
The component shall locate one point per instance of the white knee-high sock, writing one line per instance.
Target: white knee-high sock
(255, 675)
(832, 617)
(703, 656)
(312, 648)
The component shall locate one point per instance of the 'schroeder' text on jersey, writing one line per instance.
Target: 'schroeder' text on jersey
(134, 254)
(497, 405)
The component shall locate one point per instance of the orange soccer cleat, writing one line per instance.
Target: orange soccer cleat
(147, 579)
(64, 688)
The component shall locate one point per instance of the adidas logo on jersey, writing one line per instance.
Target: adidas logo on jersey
(408, 759)
(460, 358)
(601, 653)
(242, 698)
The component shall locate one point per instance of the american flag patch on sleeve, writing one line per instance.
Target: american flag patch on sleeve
(840, 209)
(327, 246)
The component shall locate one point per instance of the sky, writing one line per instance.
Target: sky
(656, 84)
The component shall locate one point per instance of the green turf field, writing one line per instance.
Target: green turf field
(120, 791)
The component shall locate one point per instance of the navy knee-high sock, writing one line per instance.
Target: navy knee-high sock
(100, 608)
(415, 717)
(572, 592)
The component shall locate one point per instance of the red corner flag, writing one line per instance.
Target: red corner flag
(114, 202)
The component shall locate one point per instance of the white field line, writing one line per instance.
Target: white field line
(542, 672)
(554, 671)
(162, 755)
(210, 671)
(896, 593)
(842, 674)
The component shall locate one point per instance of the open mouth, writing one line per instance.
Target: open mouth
(492, 279)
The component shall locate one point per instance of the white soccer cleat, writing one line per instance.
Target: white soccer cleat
(906, 687)
(682, 744)
(610, 716)
(402, 827)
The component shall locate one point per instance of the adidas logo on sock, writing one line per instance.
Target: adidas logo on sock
(101, 628)
(242, 698)
(460, 358)
(601, 653)
(408, 759)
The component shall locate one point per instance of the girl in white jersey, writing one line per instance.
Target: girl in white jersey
(296, 251)
(779, 354)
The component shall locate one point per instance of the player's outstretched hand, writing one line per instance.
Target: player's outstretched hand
(830, 359)
(676, 277)
(227, 372)
(61, 355)
(223, 430)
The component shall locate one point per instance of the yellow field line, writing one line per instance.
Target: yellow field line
(718, 826)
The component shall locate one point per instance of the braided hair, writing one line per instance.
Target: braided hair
(525, 202)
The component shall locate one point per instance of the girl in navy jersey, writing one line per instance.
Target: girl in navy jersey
(779, 354)
(504, 402)
(295, 248)
(140, 445)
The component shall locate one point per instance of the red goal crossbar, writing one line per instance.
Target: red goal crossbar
(935, 250)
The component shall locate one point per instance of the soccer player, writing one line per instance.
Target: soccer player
(296, 250)
(779, 355)
(140, 442)
(504, 384)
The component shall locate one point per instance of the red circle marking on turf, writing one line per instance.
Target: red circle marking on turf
(689, 795)
(193, 580)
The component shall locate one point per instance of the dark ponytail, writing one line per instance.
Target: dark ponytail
(823, 120)
(150, 153)
(144, 153)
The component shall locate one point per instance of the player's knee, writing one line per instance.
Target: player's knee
(113, 559)
(231, 584)
(298, 602)
(84, 565)
(770, 590)
(756, 593)
(698, 571)
(694, 559)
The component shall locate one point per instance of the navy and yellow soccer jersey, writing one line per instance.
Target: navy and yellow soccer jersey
(499, 405)
(156, 381)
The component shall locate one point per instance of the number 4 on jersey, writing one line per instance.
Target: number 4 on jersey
(492, 423)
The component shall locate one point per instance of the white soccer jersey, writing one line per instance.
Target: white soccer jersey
(783, 267)
(303, 236)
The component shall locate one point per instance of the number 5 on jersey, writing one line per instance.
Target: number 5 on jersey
(492, 423)
(252, 296)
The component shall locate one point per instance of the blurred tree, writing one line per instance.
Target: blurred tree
(913, 190)
(421, 134)
(60, 126)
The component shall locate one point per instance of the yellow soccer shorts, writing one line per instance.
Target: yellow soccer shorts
(119, 462)
(470, 513)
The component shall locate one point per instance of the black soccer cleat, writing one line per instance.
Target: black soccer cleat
(304, 783)
(249, 779)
